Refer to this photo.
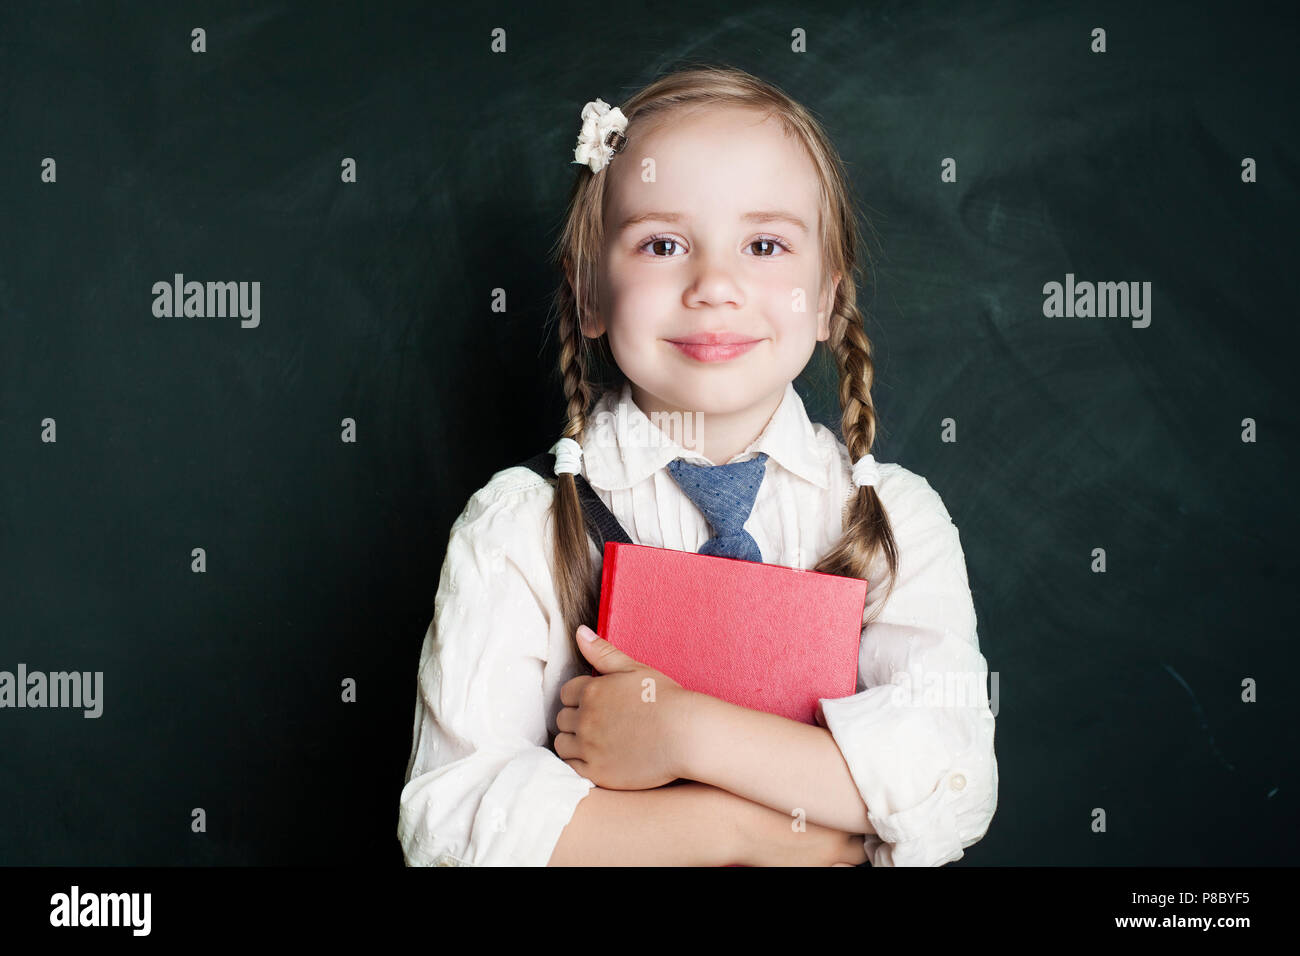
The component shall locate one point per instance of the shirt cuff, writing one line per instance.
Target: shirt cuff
(926, 773)
(517, 821)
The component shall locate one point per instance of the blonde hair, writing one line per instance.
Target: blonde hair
(577, 253)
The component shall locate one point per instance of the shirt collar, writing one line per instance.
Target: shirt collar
(622, 447)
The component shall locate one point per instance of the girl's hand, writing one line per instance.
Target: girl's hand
(621, 729)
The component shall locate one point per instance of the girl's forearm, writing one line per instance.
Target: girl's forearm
(685, 823)
(770, 760)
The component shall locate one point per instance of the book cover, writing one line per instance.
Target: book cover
(762, 636)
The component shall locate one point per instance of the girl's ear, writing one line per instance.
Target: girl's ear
(593, 326)
(824, 310)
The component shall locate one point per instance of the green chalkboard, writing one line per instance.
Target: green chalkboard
(130, 437)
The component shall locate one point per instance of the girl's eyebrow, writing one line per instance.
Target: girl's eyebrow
(759, 216)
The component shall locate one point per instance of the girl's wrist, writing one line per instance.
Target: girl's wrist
(685, 731)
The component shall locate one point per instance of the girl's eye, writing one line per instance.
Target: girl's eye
(660, 243)
(769, 241)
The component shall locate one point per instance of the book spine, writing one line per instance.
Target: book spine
(608, 562)
(606, 590)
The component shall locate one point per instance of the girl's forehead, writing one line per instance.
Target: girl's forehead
(711, 125)
(712, 158)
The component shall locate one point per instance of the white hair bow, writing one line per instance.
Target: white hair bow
(601, 136)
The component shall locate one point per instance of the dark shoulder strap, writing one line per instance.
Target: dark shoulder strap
(601, 524)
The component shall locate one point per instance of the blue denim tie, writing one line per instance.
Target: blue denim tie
(725, 494)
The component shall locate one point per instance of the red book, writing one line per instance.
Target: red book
(762, 636)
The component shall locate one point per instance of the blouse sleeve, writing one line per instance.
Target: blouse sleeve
(918, 736)
(482, 786)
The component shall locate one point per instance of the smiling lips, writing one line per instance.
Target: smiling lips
(714, 346)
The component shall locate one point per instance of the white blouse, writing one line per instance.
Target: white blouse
(483, 786)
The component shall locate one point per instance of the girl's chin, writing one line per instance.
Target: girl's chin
(710, 391)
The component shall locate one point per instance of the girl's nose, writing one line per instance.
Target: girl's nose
(714, 284)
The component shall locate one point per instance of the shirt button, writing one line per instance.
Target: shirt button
(958, 782)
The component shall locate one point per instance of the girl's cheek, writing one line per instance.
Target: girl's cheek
(784, 286)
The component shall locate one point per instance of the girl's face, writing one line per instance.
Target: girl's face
(723, 238)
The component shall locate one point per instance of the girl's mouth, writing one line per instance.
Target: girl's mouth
(703, 352)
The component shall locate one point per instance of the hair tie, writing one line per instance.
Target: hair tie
(601, 136)
(866, 471)
(568, 454)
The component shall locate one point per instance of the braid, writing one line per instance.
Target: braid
(867, 527)
(575, 584)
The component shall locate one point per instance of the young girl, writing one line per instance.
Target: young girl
(707, 236)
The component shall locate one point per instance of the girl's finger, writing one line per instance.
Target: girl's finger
(567, 719)
(571, 690)
(566, 746)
